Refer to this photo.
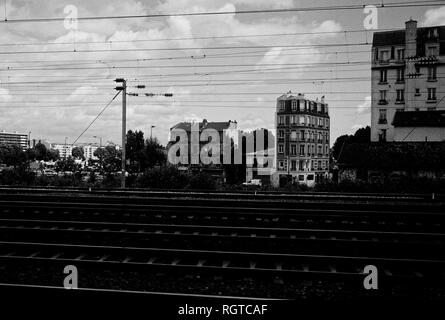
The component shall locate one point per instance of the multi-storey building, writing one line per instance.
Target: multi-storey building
(65, 150)
(18, 139)
(88, 151)
(408, 84)
(302, 129)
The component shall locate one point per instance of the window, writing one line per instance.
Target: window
(310, 177)
(400, 75)
(383, 96)
(300, 177)
(293, 135)
(432, 94)
(293, 149)
(417, 92)
(327, 150)
(431, 51)
(384, 55)
(281, 105)
(400, 54)
(320, 150)
(280, 148)
(301, 149)
(382, 116)
(302, 120)
(293, 165)
(432, 73)
(302, 134)
(280, 120)
(294, 105)
(382, 135)
(400, 95)
(281, 133)
(301, 165)
(383, 76)
(281, 164)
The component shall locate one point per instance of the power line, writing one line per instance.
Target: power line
(111, 42)
(388, 5)
(100, 113)
(308, 46)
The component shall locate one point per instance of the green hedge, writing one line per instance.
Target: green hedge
(395, 155)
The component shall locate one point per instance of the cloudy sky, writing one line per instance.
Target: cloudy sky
(55, 80)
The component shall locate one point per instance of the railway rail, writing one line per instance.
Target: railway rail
(231, 237)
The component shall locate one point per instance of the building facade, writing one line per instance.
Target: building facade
(88, 151)
(18, 139)
(65, 150)
(303, 133)
(408, 76)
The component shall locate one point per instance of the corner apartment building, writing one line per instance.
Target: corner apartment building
(303, 133)
(408, 84)
(10, 138)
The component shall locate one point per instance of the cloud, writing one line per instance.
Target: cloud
(434, 17)
(365, 107)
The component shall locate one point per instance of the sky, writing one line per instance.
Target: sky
(55, 79)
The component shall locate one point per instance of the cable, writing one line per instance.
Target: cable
(404, 4)
(100, 113)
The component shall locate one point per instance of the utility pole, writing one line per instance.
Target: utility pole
(123, 88)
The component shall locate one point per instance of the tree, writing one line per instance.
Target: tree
(135, 150)
(77, 153)
(12, 155)
(41, 152)
(67, 164)
(109, 159)
(362, 135)
(53, 155)
(153, 154)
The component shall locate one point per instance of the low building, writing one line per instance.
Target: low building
(412, 126)
(193, 144)
(14, 138)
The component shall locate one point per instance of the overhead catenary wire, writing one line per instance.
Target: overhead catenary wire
(387, 5)
(97, 117)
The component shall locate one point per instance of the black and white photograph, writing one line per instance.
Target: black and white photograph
(222, 159)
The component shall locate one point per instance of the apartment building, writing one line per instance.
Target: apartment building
(14, 138)
(408, 84)
(303, 133)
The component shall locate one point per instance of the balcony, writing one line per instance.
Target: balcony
(383, 121)
(400, 101)
(383, 102)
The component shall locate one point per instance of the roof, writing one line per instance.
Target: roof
(419, 119)
(397, 37)
(218, 126)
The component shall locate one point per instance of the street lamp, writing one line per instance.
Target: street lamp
(65, 151)
(100, 140)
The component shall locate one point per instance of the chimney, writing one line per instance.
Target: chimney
(411, 38)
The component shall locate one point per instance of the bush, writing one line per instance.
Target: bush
(201, 181)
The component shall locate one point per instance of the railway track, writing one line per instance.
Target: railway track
(235, 237)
